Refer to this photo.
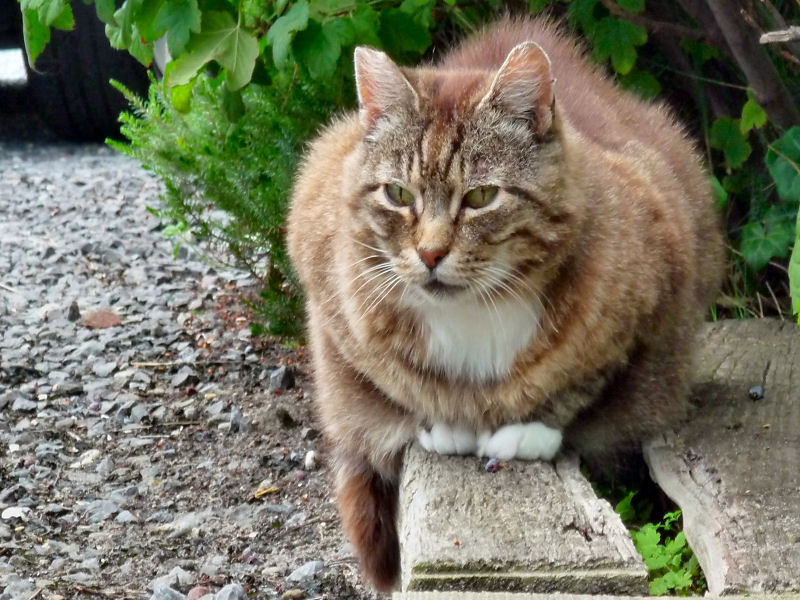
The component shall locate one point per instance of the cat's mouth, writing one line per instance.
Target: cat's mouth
(439, 288)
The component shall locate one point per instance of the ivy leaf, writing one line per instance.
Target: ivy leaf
(34, 34)
(221, 39)
(412, 43)
(632, 6)
(762, 242)
(753, 115)
(726, 135)
(124, 23)
(783, 161)
(145, 17)
(641, 83)
(51, 13)
(366, 25)
(282, 31)
(105, 10)
(617, 39)
(794, 271)
(178, 19)
(315, 50)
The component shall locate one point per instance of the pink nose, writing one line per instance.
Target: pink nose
(431, 258)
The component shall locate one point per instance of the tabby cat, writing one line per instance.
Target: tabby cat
(503, 254)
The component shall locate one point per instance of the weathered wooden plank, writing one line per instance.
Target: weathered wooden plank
(734, 468)
(531, 527)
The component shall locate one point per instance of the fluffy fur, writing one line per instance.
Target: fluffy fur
(566, 306)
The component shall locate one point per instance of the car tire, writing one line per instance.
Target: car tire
(69, 83)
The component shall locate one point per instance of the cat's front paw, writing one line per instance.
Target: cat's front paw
(528, 441)
(447, 439)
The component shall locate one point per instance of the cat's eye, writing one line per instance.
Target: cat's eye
(397, 195)
(480, 196)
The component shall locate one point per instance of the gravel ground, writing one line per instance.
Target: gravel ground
(149, 446)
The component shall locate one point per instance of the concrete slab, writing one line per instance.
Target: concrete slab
(734, 468)
(530, 527)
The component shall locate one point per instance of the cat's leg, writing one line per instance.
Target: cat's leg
(367, 433)
(528, 441)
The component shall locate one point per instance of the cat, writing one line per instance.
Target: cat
(503, 254)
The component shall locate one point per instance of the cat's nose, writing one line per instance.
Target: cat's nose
(431, 258)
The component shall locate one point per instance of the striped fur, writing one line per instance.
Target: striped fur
(571, 299)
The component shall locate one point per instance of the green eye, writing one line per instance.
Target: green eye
(398, 195)
(480, 196)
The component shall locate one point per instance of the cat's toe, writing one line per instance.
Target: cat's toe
(444, 439)
(538, 442)
(527, 441)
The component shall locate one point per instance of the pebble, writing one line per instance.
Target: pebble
(167, 593)
(306, 571)
(232, 591)
(281, 378)
(310, 461)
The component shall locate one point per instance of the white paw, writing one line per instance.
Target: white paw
(446, 439)
(528, 441)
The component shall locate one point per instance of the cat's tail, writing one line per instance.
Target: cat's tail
(368, 506)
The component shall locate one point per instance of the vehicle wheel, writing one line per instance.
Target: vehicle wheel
(70, 82)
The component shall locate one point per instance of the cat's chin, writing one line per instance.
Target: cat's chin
(439, 289)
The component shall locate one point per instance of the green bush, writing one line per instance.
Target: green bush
(252, 80)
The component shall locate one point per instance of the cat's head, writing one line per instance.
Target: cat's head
(462, 176)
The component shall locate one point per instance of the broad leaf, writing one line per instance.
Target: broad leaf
(728, 137)
(617, 39)
(178, 19)
(125, 19)
(761, 243)
(794, 271)
(35, 35)
(282, 31)
(642, 83)
(582, 13)
(753, 115)
(317, 47)
(55, 13)
(783, 161)
(366, 25)
(632, 6)
(414, 40)
(223, 40)
(105, 10)
(720, 194)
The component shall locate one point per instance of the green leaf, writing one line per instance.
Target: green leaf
(105, 10)
(720, 193)
(762, 242)
(125, 20)
(699, 51)
(282, 31)
(727, 136)
(617, 39)
(35, 35)
(794, 271)
(753, 115)
(178, 19)
(145, 17)
(317, 49)
(414, 41)
(783, 161)
(50, 12)
(537, 6)
(223, 40)
(366, 25)
(624, 509)
(675, 546)
(632, 6)
(659, 587)
(582, 13)
(642, 83)
(421, 10)
(181, 96)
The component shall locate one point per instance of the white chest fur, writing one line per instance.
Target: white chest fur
(468, 339)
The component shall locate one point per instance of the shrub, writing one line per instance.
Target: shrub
(252, 80)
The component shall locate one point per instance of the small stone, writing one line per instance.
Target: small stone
(306, 571)
(74, 312)
(232, 591)
(126, 517)
(177, 578)
(238, 424)
(197, 592)
(281, 378)
(756, 392)
(101, 510)
(293, 594)
(310, 460)
(104, 369)
(22, 404)
(185, 376)
(101, 319)
(167, 593)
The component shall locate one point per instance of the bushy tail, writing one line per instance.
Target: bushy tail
(368, 507)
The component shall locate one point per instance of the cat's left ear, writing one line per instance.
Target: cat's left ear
(523, 86)
(381, 85)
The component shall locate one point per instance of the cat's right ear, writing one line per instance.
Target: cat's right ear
(381, 85)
